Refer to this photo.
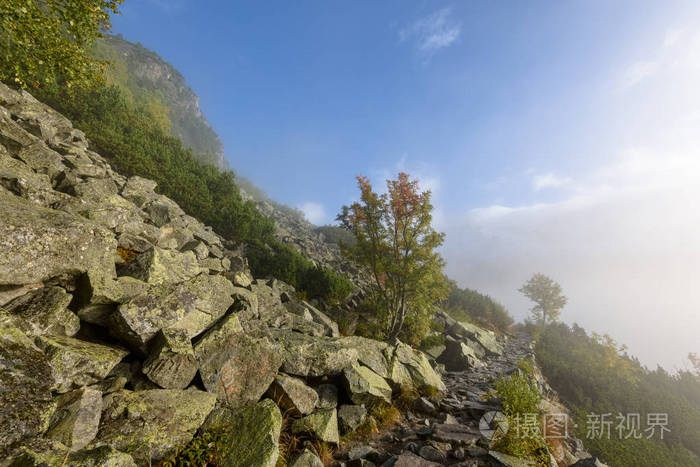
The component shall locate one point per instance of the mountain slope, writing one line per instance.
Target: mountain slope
(152, 83)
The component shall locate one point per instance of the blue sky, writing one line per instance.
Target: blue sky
(558, 137)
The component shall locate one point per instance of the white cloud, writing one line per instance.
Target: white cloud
(549, 180)
(432, 33)
(672, 36)
(314, 212)
(638, 72)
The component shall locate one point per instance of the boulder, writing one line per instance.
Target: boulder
(38, 244)
(77, 418)
(310, 356)
(158, 266)
(423, 376)
(424, 405)
(487, 339)
(323, 424)
(454, 433)
(307, 459)
(44, 312)
(139, 190)
(458, 356)
(155, 423)
(237, 366)
(302, 308)
(25, 389)
(365, 386)
(193, 305)
(56, 455)
(351, 417)
(375, 355)
(293, 394)
(408, 459)
(162, 210)
(171, 363)
(252, 433)
(76, 363)
(327, 396)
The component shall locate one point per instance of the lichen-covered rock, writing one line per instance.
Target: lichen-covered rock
(55, 455)
(152, 424)
(44, 312)
(301, 308)
(237, 366)
(193, 305)
(252, 433)
(306, 355)
(25, 389)
(458, 356)
(487, 339)
(37, 244)
(76, 418)
(373, 354)
(323, 424)
(351, 417)
(365, 386)
(307, 459)
(327, 396)
(423, 376)
(158, 266)
(171, 363)
(139, 190)
(76, 363)
(293, 394)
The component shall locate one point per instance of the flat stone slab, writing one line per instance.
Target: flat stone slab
(450, 433)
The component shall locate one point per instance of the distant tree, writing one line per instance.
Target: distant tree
(397, 243)
(695, 362)
(547, 296)
(43, 41)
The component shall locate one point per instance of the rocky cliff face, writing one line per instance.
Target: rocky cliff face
(144, 76)
(127, 326)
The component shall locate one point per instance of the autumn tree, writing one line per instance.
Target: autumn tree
(44, 41)
(396, 242)
(547, 296)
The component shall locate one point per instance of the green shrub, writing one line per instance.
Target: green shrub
(519, 394)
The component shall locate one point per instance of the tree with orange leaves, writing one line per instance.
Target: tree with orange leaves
(398, 245)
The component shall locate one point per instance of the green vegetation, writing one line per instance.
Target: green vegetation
(46, 41)
(336, 235)
(163, 95)
(136, 145)
(547, 297)
(594, 375)
(397, 243)
(472, 306)
(524, 437)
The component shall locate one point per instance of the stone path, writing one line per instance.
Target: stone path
(446, 432)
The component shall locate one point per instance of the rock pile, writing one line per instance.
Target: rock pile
(126, 325)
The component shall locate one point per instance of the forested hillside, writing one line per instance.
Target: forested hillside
(153, 85)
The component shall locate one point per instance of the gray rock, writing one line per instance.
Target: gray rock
(239, 367)
(351, 417)
(38, 244)
(198, 247)
(487, 339)
(458, 356)
(307, 459)
(363, 452)
(365, 386)
(253, 433)
(459, 434)
(422, 375)
(411, 460)
(193, 305)
(76, 363)
(158, 266)
(424, 405)
(327, 396)
(310, 356)
(171, 363)
(25, 388)
(77, 417)
(293, 394)
(139, 190)
(431, 453)
(323, 424)
(162, 210)
(374, 354)
(589, 462)
(44, 312)
(152, 424)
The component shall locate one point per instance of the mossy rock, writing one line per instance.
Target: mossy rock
(323, 424)
(365, 386)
